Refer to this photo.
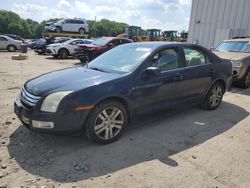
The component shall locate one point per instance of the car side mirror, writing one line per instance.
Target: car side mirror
(212, 49)
(153, 71)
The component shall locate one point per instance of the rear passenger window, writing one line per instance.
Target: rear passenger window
(195, 57)
(166, 60)
(3, 39)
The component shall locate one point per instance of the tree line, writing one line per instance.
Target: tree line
(12, 23)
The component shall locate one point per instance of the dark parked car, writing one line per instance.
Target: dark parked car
(130, 79)
(88, 52)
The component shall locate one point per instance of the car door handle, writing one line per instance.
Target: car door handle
(178, 77)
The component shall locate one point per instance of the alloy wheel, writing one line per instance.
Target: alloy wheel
(216, 96)
(108, 123)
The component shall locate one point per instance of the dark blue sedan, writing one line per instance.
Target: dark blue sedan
(130, 79)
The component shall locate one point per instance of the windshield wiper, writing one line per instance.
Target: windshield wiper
(97, 69)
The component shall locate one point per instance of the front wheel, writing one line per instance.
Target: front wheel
(11, 48)
(58, 29)
(214, 96)
(63, 54)
(245, 81)
(106, 122)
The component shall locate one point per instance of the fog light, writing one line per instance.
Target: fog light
(42, 124)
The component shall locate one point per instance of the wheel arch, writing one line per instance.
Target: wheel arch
(121, 100)
(218, 80)
(63, 48)
(11, 45)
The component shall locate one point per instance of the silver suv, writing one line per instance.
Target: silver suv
(238, 52)
(76, 25)
(7, 43)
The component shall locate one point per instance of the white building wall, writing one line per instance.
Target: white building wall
(212, 21)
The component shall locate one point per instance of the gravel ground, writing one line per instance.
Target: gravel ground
(184, 147)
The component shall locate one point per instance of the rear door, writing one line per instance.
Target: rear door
(154, 92)
(67, 25)
(3, 43)
(198, 72)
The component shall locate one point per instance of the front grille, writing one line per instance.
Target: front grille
(28, 99)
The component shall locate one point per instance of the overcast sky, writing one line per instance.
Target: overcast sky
(163, 14)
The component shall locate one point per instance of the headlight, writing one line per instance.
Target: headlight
(236, 63)
(52, 101)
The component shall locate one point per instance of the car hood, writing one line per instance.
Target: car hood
(55, 44)
(235, 56)
(70, 79)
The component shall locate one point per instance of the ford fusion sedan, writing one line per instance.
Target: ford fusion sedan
(238, 52)
(65, 49)
(101, 97)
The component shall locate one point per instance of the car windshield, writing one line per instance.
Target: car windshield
(237, 46)
(122, 59)
(70, 41)
(101, 41)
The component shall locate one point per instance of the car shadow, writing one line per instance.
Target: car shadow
(74, 158)
(54, 58)
(238, 90)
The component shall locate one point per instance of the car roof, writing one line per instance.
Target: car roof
(238, 40)
(163, 44)
(6, 37)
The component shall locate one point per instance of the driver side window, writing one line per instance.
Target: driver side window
(166, 60)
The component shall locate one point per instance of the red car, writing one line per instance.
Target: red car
(88, 52)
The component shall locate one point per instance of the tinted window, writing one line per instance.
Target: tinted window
(166, 60)
(3, 39)
(67, 21)
(195, 57)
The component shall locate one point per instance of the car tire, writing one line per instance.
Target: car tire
(11, 48)
(81, 31)
(214, 96)
(84, 59)
(63, 53)
(106, 122)
(245, 81)
(58, 29)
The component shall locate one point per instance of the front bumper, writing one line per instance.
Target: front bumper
(63, 123)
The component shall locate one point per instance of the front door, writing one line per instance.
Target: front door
(158, 91)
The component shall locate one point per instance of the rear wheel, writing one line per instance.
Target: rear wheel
(63, 53)
(81, 31)
(245, 81)
(106, 122)
(214, 96)
(11, 48)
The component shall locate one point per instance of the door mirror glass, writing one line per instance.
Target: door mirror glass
(153, 71)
